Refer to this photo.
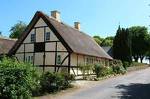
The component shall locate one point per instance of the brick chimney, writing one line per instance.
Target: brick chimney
(56, 15)
(77, 25)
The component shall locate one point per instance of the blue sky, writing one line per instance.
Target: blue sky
(97, 17)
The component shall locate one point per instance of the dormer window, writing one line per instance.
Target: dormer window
(47, 36)
(32, 37)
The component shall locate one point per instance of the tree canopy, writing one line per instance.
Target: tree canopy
(140, 41)
(17, 29)
(122, 45)
(98, 39)
(134, 40)
(108, 41)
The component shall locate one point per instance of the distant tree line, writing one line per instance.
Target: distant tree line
(108, 41)
(133, 42)
(128, 43)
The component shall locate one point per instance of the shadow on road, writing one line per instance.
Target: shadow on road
(134, 91)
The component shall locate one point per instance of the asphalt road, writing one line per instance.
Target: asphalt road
(134, 85)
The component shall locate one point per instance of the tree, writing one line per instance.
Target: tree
(108, 41)
(148, 56)
(17, 29)
(140, 42)
(122, 45)
(98, 39)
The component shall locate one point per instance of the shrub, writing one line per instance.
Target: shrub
(101, 70)
(53, 82)
(118, 67)
(68, 78)
(17, 80)
(97, 70)
(126, 64)
(85, 69)
(109, 70)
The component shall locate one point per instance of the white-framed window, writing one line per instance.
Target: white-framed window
(29, 59)
(32, 37)
(47, 36)
(90, 60)
(87, 60)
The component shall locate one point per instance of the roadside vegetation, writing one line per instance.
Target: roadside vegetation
(100, 70)
(20, 80)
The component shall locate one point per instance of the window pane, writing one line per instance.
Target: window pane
(28, 58)
(47, 36)
(32, 37)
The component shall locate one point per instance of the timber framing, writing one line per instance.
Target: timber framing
(36, 17)
(67, 36)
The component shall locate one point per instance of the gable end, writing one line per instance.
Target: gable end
(35, 19)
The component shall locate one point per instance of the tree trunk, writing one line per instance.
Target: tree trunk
(141, 58)
(135, 58)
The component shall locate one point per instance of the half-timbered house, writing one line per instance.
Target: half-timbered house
(53, 45)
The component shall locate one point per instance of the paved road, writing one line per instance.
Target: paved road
(134, 85)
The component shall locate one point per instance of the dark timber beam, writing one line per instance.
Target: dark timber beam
(69, 63)
(55, 56)
(44, 51)
(63, 61)
(24, 53)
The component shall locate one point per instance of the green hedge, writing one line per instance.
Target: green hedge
(21, 81)
(53, 82)
(116, 67)
(17, 80)
(101, 70)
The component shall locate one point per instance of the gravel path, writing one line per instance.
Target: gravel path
(134, 85)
